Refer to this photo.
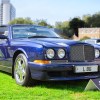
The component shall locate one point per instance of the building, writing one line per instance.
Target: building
(88, 32)
(7, 12)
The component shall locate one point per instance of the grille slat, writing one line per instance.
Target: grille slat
(81, 53)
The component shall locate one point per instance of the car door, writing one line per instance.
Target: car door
(2, 52)
(5, 63)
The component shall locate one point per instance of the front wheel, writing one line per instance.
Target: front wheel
(21, 70)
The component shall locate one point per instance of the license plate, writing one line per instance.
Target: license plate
(83, 69)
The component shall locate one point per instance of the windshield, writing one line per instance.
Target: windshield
(30, 31)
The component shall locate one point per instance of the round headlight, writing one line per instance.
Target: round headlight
(50, 53)
(61, 53)
(97, 53)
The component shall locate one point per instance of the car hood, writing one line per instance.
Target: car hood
(51, 42)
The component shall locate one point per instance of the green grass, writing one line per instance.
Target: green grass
(73, 90)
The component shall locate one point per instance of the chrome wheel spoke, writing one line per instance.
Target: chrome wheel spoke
(17, 72)
(21, 76)
(23, 72)
(20, 68)
(19, 63)
(23, 66)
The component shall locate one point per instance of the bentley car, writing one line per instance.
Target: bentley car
(33, 53)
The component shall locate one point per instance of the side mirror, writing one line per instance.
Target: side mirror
(3, 36)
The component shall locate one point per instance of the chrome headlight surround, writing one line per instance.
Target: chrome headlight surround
(61, 53)
(50, 53)
(97, 53)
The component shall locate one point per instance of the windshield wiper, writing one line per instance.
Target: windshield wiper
(42, 37)
(38, 37)
(54, 37)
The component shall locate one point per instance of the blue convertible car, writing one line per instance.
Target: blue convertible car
(36, 52)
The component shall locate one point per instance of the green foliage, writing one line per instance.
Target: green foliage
(29, 21)
(84, 38)
(58, 25)
(21, 21)
(86, 19)
(43, 23)
(64, 27)
(92, 20)
(68, 32)
(69, 28)
(76, 23)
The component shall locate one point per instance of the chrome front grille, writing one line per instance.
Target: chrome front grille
(81, 53)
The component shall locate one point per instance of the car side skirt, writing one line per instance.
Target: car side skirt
(6, 69)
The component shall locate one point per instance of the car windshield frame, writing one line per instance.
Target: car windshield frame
(32, 31)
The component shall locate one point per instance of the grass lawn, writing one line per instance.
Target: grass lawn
(45, 90)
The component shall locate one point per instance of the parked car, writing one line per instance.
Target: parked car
(36, 52)
(92, 41)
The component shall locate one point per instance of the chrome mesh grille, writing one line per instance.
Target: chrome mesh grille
(80, 53)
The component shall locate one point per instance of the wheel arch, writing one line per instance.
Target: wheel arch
(16, 53)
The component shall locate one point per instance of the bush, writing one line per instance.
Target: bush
(84, 38)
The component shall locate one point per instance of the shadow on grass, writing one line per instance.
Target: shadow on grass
(75, 86)
(5, 73)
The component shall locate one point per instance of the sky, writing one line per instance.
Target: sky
(55, 10)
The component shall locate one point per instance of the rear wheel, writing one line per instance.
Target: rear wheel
(21, 71)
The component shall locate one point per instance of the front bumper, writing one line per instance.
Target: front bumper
(60, 72)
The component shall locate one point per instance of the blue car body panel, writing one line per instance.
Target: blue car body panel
(34, 49)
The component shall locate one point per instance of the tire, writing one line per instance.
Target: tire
(21, 71)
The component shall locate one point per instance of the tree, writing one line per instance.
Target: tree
(68, 32)
(86, 19)
(95, 20)
(84, 38)
(21, 21)
(64, 27)
(43, 23)
(76, 23)
(92, 20)
(58, 25)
